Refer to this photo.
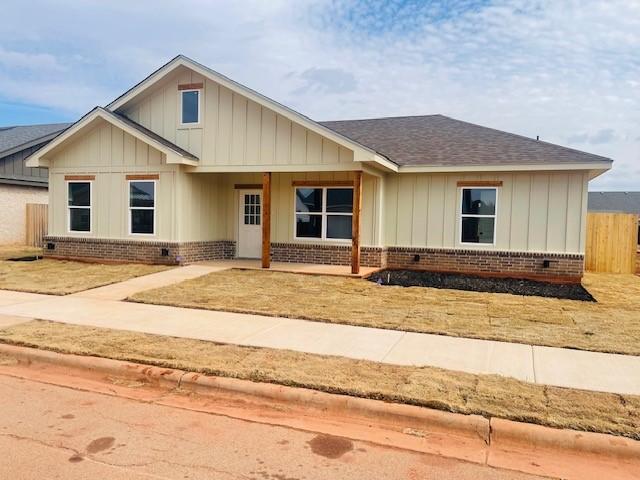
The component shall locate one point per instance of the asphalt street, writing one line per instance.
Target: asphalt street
(52, 432)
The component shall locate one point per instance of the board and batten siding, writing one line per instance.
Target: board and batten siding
(536, 212)
(110, 154)
(12, 167)
(233, 129)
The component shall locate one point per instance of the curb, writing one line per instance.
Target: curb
(494, 432)
(422, 420)
(512, 433)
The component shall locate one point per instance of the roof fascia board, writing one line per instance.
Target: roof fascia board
(37, 160)
(24, 183)
(341, 167)
(600, 166)
(246, 92)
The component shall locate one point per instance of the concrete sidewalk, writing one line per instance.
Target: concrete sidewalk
(542, 365)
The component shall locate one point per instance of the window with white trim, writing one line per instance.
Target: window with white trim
(190, 107)
(79, 206)
(478, 215)
(142, 207)
(324, 213)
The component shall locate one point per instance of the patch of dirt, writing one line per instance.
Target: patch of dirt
(100, 444)
(329, 446)
(471, 283)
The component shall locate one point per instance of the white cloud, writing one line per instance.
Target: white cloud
(567, 71)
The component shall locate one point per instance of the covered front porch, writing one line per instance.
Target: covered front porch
(356, 209)
(305, 221)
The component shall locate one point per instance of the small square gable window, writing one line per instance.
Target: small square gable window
(190, 101)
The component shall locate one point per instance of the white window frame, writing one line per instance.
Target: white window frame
(473, 215)
(90, 207)
(323, 213)
(130, 208)
(180, 94)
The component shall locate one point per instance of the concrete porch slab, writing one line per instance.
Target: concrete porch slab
(308, 268)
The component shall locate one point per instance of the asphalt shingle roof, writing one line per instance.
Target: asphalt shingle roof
(153, 135)
(436, 140)
(627, 202)
(12, 137)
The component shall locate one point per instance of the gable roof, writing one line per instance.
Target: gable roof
(20, 137)
(174, 153)
(152, 135)
(361, 151)
(627, 202)
(436, 140)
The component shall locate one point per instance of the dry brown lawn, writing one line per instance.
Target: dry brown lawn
(610, 325)
(487, 395)
(61, 277)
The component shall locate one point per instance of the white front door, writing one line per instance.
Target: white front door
(250, 224)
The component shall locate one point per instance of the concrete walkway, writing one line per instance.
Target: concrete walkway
(543, 365)
(122, 290)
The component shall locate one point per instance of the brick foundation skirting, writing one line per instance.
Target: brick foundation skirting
(177, 253)
(561, 267)
(325, 254)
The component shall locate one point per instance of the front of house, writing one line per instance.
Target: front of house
(189, 165)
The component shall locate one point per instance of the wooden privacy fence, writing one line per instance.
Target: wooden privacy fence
(36, 224)
(611, 242)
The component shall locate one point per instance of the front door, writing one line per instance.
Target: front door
(249, 224)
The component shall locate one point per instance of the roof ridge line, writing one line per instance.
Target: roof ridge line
(517, 135)
(384, 118)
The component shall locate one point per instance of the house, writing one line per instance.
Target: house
(19, 184)
(189, 165)
(620, 202)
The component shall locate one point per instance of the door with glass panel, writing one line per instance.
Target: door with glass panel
(250, 224)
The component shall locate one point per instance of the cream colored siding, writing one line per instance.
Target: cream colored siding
(201, 207)
(110, 154)
(212, 201)
(233, 129)
(542, 212)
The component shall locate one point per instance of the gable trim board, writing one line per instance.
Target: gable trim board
(173, 153)
(410, 209)
(362, 153)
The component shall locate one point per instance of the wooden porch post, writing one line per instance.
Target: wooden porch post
(355, 226)
(266, 219)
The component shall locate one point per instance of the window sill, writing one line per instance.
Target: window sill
(332, 241)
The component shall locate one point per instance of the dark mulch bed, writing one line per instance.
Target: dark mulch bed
(412, 278)
(29, 258)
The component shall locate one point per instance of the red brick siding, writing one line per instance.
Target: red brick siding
(138, 251)
(567, 267)
(324, 254)
(509, 264)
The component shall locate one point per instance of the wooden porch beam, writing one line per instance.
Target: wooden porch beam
(322, 183)
(355, 226)
(266, 219)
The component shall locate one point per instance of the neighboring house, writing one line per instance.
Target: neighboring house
(20, 184)
(619, 202)
(189, 165)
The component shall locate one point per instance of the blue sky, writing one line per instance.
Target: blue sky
(567, 70)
